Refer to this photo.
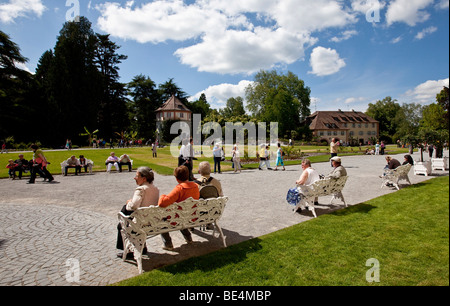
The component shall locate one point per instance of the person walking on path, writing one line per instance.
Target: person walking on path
(236, 159)
(279, 158)
(217, 153)
(39, 165)
(334, 145)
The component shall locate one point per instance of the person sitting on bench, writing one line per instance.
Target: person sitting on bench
(73, 162)
(125, 160)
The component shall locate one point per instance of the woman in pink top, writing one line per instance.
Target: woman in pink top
(145, 194)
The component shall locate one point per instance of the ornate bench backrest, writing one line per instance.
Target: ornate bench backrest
(187, 214)
(324, 187)
(403, 170)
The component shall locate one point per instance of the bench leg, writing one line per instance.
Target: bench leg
(138, 258)
(339, 196)
(221, 233)
(312, 210)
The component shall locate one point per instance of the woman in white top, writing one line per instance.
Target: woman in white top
(309, 175)
(145, 195)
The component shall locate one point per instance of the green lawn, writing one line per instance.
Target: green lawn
(163, 165)
(406, 231)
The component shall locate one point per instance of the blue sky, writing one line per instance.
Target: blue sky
(350, 53)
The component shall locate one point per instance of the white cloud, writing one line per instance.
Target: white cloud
(408, 11)
(245, 52)
(426, 92)
(425, 32)
(325, 61)
(354, 100)
(23, 67)
(311, 15)
(20, 8)
(157, 21)
(396, 40)
(443, 4)
(218, 95)
(228, 37)
(346, 35)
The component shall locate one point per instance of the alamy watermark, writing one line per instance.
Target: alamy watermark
(235, 133)
(73, 13)
(373, 274)
(373, 13)
(73, 273)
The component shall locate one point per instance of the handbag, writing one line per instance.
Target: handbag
(293, 196)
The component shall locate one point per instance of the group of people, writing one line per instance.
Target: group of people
(77, 164)
(263, 154)
(20, 165)
(118, 162)
(37, 165)
(147, 194)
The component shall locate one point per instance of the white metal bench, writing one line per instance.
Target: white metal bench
(439, 163)
(320, 188)
(89, 163)
(393, 176)
(152, 221)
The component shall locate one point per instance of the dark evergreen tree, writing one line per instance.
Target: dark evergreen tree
(145, 101)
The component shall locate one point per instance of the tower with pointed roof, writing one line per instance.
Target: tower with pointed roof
(174, 110)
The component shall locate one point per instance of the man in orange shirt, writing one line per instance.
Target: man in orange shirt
(184, 190)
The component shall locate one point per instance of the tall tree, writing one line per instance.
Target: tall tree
(75, 81)
(112, 112)
(16, 98)
(291, 94)
(145, 102)
(234, 107)
(408, 120)
(169, 88)
(201, 106)
(385, 111)
(442, 99)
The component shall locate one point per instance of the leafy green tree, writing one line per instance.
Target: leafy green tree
(433, 117)
(234, 107)
(385, 111)
(443, 100)
(201, 106)
(408, 120)
(272, 94)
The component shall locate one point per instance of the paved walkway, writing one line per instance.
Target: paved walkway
(47, 230)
